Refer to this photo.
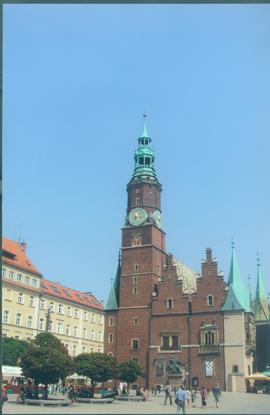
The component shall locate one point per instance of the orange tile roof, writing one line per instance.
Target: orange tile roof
(58, 290)
(13, 254)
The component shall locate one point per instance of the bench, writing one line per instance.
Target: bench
(47, 402)
(95, 400)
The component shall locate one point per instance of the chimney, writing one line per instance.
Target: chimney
(23, 246)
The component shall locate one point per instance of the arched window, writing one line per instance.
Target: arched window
(209, 338)
(169, 303)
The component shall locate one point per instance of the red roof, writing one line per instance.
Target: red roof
(58, 290)
(13, 253)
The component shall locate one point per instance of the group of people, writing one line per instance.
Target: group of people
(185, 398)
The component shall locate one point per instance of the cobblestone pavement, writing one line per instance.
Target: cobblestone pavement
(232, 403)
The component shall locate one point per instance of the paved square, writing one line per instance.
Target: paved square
(231, 403)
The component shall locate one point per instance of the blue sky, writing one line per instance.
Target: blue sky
(76, 81)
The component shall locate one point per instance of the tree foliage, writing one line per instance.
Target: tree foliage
(46, 365)
(98, 367)
(13, 349)
(50, 341)
(129, 371)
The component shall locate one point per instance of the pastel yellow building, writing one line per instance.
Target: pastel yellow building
(32, 304)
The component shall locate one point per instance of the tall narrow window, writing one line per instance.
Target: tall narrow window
(41, 322)
(31, 301)
(29, 321)
(209, 368)
(84, 333)
(18, 319)
(5, 316)
(135, 290)
(135, 344)
(210, 300)
(110, 338)
(169, 303)
(137, 201)
(20, 298)
(136, 267)
(111, 321)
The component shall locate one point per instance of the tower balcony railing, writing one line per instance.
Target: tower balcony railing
(210, 349)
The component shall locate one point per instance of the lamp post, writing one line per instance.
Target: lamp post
(190, 291)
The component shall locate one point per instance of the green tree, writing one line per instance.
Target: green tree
(129, 371)
(46, 365)
(50, 341)
(13, 349)
(98, 367)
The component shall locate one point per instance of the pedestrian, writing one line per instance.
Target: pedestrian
(168, 393)
(4, 395)
(71, 394)
(193, 397)
(188, 397)
(180, 400)
(203, 396)
(217, 393)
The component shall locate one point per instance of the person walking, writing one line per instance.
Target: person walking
(168, 393)
(4, 395)
(193, 397)
(188, 397)
(71, 394)
(180, 400)
(217, 394)
(203, 396)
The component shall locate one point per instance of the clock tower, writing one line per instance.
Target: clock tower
(142, 258)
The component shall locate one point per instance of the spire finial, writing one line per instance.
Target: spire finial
(232, 242)
(258, 259)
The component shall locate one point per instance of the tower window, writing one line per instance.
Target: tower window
(134, 280)
(147, 161)
(137, 201)
(209, 338)
(111, 321)
(136, 267)
(210, 300)
(235, 369)
(110, 338)
(137, 191)
(141, 161)
(135, 321)
(209, 368)
(135, 290)
(135, 344)
(169, 303)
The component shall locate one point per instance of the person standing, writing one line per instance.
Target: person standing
(203, 396)
(217, 393)
(188, 397)
(193, 397)
(168, 393)
(181, 400)
(4, 394)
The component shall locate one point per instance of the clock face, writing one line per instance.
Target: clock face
(157, 219)
(137, 216)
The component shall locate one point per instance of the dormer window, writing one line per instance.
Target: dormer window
(210, 300)
(170, 303)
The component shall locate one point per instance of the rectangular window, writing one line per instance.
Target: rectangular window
(75, 331)
(174, 342)
(100, 319)
(34, 282)
(59, 327)
(19, 277)
(134, 280)
(99, 336)
(137, 201)
(135, 321)
(29, 321)
(69, 312)
(31, 301)
(84, 333)
(136, 267)
(20, 298)
(135, 344)
(209, 368)
(165, 342)
(18, 319)
(135, 290)
(235, 369)
(42, 304)
(51, 308)
(3, 272)
(111, 321)
(68, 330)
(60, 309)
(93, 318)
(110, 338)
(11, 275)
(76, 313)
(41, 323)
(5, 316)
(85, 315)
(92, 335)
(26, 279)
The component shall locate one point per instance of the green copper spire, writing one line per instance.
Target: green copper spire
(144, 156)
(231, 302)
(261, 306)
(240, 290)
(260, 290)
(113, 299)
